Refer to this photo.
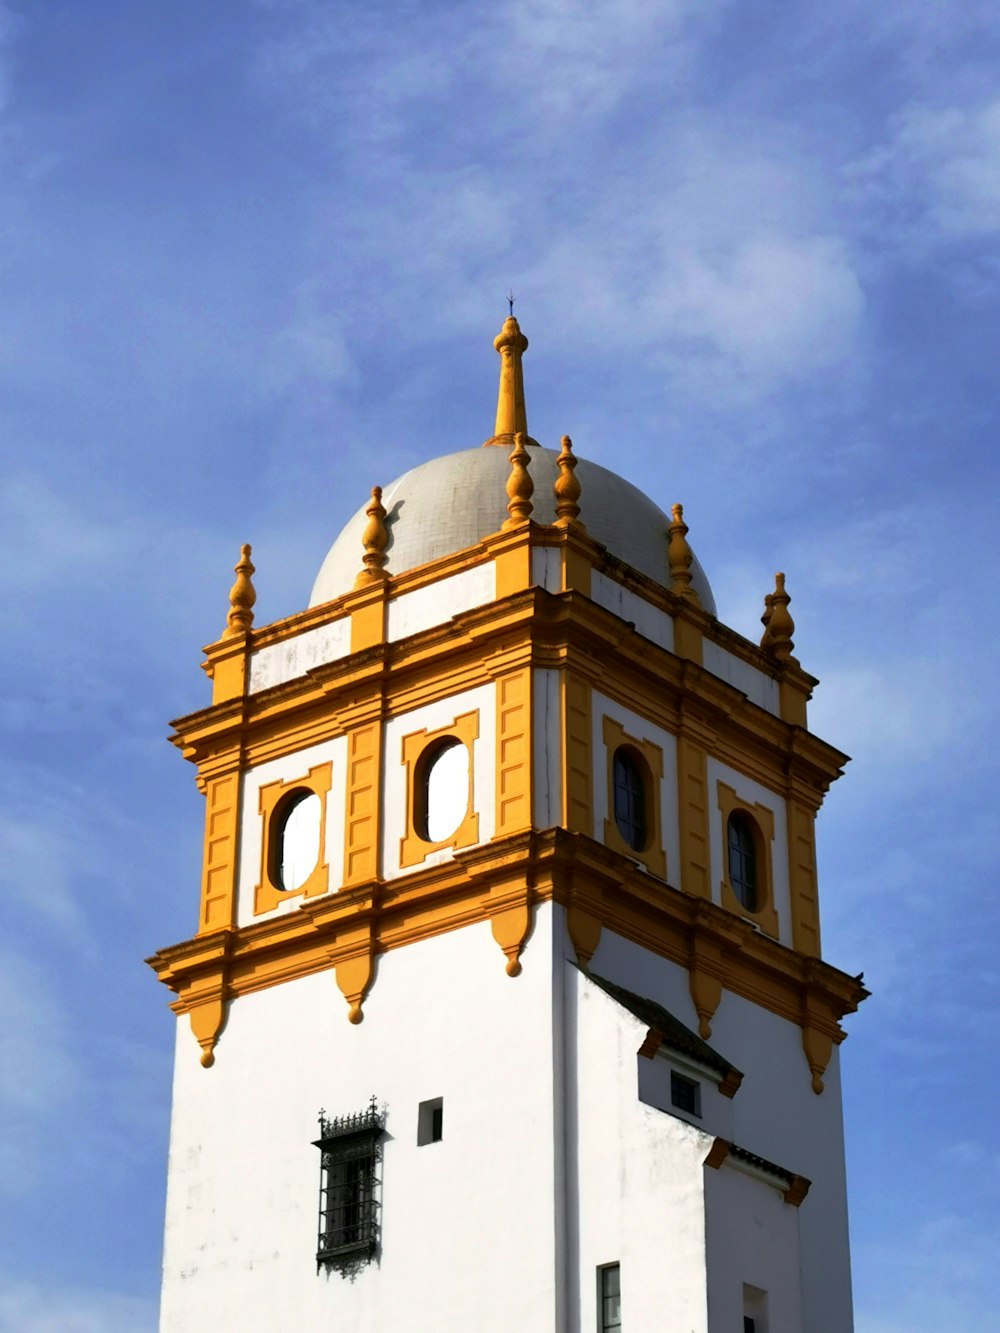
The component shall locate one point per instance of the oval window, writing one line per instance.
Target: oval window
(629, 790)
(443, 791)
(296, 848)
(743, 860)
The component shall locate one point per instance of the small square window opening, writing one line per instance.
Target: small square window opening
(685, 1093)
(430, 1122)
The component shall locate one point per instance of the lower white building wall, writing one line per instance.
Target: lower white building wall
(467, 1234)
(775, 1114)
(634, 1178)
(752, 1240)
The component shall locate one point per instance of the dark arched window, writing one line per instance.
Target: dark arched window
(743, 860)
(628, 782)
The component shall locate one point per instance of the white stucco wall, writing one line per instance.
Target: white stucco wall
(293, 657)
(467, 1232)
(546, 748)
(482, 699)
(438, 602)
(775, 1115)
(752, 1239)
(759, 687)
(641, 729)
(650, 621)
(287, 769)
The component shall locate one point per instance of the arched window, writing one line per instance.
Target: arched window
(628, 785)
(743, 870)
(442, 790)
(296, 844)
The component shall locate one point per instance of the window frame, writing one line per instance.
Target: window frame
(605, 1271)
(649, 758)
(418, 751)
(275, 801)
(759, 822)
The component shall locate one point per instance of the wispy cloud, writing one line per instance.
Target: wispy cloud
(27, 1307)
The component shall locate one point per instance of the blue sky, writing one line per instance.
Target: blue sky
(253, 257)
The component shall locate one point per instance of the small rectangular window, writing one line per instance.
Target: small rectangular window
(430, 1122)
(609, 1314)
(685, 1093)
(749, 1324)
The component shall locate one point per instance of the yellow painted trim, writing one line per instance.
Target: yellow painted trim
(692, 809)
(368, 614)
(268, 893)
(412, 847)
(761, 822)
(513, 756)
(652, 856)
(362, 814)
(226, 666)
(577, 767)
(218, 872)
(506, 878)
(802, 875)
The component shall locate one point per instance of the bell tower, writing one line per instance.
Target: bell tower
(505, 1007)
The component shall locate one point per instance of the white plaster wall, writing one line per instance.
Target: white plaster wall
(650, 621)
(753, 1237)
(482, 699)
(759, 687)
(775, 1115)
(751, 792)
(634, 1180)
(286, 769)
(641, 729)
(293, 657)
(546, 567)
(547, 749)
(438, 602)
(467, 1233)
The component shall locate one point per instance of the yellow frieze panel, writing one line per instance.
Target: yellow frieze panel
(361, 814)
(513, 758)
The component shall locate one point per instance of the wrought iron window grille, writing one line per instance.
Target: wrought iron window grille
(350, 1161)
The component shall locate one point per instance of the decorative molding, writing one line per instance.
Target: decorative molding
(652, 855)
(218, 873)
(271, 798)
(513, 754)
(413, 748)
(362, 815)
(577, 764)
(761, 821)
(508, 879)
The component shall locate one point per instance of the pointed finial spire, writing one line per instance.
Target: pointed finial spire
(567, 486)
(512, 418)
(520, 487)
(241, 597)
(778, 624)
(680, 557)
(374, 539)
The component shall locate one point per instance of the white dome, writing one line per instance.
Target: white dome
(451, 502)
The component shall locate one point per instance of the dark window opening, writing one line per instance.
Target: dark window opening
(629, 792)
(430, 1122)
(610, 1298)
(685, 1093)
(743, 860)
(749, 1324)
(348, 1192)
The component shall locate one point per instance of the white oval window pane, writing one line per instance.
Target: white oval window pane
(447, 792)
(299, 849)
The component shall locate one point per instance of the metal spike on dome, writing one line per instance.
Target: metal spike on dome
(520, 487)
(241, 597)
(680, 557)
(512, 417)
(567, 486)
(374, 539)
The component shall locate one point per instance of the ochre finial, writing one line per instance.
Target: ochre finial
(512, 418)
(778, 624)
(374, 539)
(567, 486)
(680, 557)
(241, 597)
(520, 487)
